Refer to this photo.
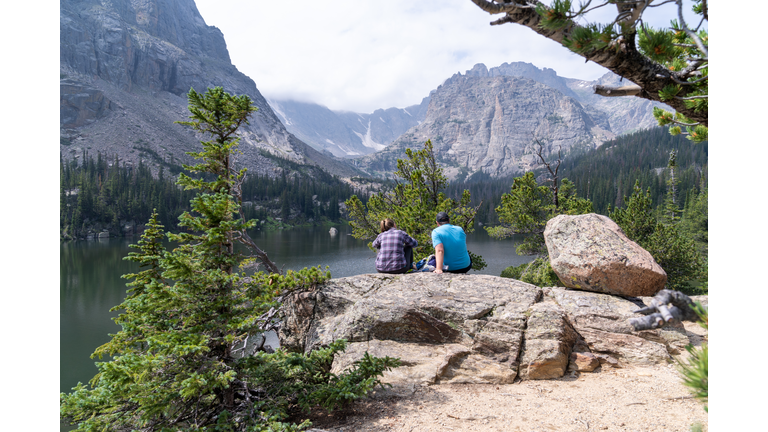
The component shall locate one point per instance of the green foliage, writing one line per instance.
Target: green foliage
(607, 174)
(527, 208)
(589, 38)
(670, 91)
(658, 45)
(175, 364)
(413, 204)
(105, 193)
(555, 17)
(98, 193)
(353, 383)
(671, 209)
(673, 251)
(676, 50)
(695, 369)
(695, 220)
(304, 381)
(537, 272)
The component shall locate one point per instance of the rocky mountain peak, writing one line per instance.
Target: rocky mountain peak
(491, 124)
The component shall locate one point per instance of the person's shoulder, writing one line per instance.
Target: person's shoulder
(456, 230)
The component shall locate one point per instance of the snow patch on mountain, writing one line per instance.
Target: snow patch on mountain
(276, 108)
(367, 140)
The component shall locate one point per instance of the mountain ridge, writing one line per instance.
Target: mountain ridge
(336, 134)
(125, 69)
(492, 125)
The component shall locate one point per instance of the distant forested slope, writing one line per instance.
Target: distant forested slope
(606, 175)
(108, 194)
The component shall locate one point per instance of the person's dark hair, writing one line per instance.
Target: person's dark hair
(386, 224)
(442, 217)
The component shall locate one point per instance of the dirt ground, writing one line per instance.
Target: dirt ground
(650, 398)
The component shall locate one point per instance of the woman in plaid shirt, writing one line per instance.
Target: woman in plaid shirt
(395, 249)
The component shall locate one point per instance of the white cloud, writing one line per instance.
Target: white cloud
(360, 55)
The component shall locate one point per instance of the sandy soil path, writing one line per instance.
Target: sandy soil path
(649, 398)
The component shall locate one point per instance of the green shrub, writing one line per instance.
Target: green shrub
(537, 272)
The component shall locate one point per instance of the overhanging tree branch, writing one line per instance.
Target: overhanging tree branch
(620, 55)
(617, 91)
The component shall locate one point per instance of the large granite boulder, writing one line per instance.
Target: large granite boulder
(471, 328)
(590, 252)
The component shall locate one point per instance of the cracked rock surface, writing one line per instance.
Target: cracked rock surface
(479, 329)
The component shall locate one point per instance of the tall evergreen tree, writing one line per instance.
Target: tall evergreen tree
(175, 363)
(671, 210)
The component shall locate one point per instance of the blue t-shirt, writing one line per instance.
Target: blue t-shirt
(454, 242)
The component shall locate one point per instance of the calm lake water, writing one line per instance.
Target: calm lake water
(91, 284)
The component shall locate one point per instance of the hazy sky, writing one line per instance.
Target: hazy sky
(363, 55)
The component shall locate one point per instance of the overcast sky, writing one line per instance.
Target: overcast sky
(359, 55)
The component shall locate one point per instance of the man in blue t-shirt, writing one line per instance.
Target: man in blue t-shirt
(450, 244)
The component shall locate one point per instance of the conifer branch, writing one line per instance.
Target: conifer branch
(693, 67)
(620, 54)
(683, 124)
(662, 3)
(584, 10)
(688, 31)
(692, 97)
(503, 20)
(607, 91)
(497, 8)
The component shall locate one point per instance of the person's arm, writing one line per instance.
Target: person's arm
(377, 242)
(439, 255)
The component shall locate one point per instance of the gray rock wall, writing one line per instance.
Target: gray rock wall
(126, 66)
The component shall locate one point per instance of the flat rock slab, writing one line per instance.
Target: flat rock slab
(471, 328)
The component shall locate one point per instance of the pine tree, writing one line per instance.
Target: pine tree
(673, 251)
(528, 207)
(695, 220)
(671, 210)
(414, 202)
(179, 361)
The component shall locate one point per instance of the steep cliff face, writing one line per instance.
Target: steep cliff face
(490, 124)
(126, 66)
(623, 114)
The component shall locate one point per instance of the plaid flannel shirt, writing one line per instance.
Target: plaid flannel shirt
(391, 244)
